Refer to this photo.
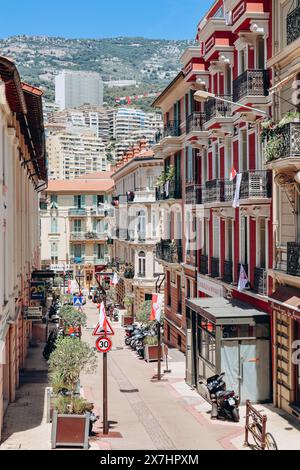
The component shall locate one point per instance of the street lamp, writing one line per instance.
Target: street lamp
(202, 95)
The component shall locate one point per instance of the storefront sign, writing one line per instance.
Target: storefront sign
(60, 267)
(37, 290)
(209, 288)
(33, 313)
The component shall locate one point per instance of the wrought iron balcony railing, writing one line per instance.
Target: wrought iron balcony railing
(215, 267)
(217, 191)
(193, 194)
(169, 251)
(195, 122)
(77, 212)
(256, 185)
(251, 83)
(215, 108)
(172, 129)
(293, 24)
(204, 264)
(260, 281)
(169, 190)
(290, 134)
(293, 259)
(227, 276)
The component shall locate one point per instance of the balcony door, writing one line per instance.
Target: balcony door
(242, 61)
(77, 227)
(261, 53)
(243, 150)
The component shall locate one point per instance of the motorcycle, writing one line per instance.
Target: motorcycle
(225, 403)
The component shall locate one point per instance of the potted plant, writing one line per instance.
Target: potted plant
(128, 303)
(272, 135)
(150, 342)
(70, 423)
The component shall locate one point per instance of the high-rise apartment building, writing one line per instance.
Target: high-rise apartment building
(73, 89)
(72, 154)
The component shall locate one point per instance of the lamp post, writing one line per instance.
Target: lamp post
(158, 285)
(202, 96)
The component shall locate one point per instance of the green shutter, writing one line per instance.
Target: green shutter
(83, 201)
(95, 200)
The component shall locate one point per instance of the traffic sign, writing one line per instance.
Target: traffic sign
(77, 301)
(103, 344)
(105, 330)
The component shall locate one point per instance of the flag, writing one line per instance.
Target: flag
(115, 280)
(243, 279)
(233, 173)
(156, 307)
(102, 317)
(236, 200)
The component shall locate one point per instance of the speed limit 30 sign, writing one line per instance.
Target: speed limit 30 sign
(103, 344)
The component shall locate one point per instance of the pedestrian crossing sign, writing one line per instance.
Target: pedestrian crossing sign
(105, 330)
(77, 301)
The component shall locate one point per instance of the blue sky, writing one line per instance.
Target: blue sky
(170, 19)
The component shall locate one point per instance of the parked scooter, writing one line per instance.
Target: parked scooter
(225, 403)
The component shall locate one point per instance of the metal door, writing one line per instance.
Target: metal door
(255, 370)
(230, 364)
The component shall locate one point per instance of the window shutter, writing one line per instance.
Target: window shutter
(95, 200)
(83, 250)
(95, 249)
(83, 201)
(72, 249)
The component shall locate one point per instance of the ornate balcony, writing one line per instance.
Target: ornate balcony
(204, 264)
(290, 141)
(103, 210)
(172, 129)
(215, 267)
(293, 259)
(169, 251)
(194, 122)
(227, 276)
(293, 24)
(87, 236)
(217, 191)
(256, 185)
(260, 281)
(251, 83)
(193, 194)
(77, 212)
(218, 109)
(168, 190)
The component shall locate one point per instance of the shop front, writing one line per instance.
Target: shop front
(285, 306)
(233, 337)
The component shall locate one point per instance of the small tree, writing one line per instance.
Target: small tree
(71, 317)
(71, 357)
(143, 315)
(58, 281)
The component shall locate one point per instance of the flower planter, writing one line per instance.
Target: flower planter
(151, 353)
(70, 430)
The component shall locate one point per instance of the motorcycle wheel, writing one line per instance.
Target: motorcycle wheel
(235, 415)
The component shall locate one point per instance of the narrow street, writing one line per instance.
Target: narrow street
(145, 414)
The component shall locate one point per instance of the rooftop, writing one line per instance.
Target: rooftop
(85, 184)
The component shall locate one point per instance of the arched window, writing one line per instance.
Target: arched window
(142, 264)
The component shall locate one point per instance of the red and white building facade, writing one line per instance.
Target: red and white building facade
(217, 322)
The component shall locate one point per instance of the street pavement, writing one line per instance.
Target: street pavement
(144, 414)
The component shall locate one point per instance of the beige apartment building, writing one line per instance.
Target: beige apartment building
(75, 152)
(23, 174)
(283, 157)
(76, 220)
(138, 224)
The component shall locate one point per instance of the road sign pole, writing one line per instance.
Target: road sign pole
(105, 418)
(158, 351)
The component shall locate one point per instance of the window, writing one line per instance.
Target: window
(261, 58)
(54, 253)
(100, 251)
(243, 150)
(262, 243)
(244, 240)
(142, 225)
(77, 225)
(188, 288)
(229, 240)
(216, 169)
(206, 340)
(204, 167)
(179, 341)
(154, 228)
(100, 200)
(54, 225)
(179, 298)
(78, 251)
(228, 157)
(228, 80)
(216, 237)
(53, 198)
(142, 264)
(242, 61)
(79, 201)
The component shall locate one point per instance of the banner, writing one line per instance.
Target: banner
(156, 308)
(236, 200)
(37, 290)
(243, 279)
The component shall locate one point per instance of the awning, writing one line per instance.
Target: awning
(282, 82)
(223, 311)
(287, 297)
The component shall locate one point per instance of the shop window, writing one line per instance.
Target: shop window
(206, 340)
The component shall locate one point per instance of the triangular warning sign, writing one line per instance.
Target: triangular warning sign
(105, 330)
